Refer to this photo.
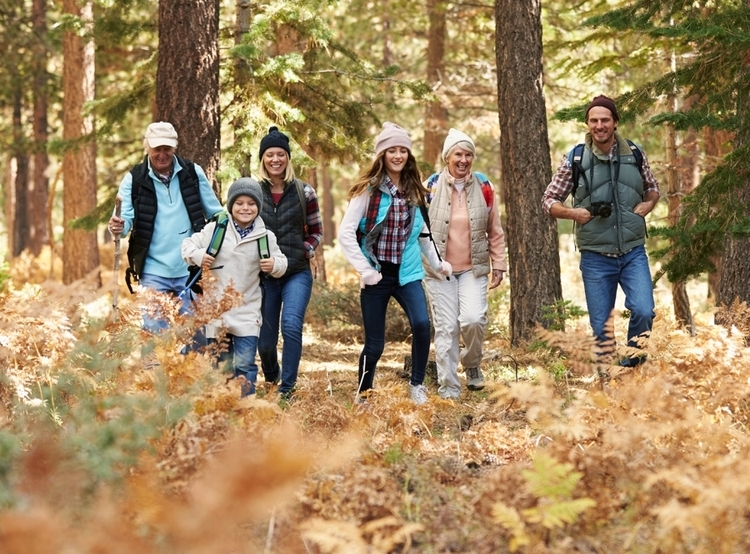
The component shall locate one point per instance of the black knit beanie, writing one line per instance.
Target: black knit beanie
(274, 138)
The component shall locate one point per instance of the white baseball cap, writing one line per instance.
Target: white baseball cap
(160, 133)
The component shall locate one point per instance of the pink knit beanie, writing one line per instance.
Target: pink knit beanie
(392, 135)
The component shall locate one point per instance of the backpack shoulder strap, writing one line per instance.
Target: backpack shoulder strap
(263, 250)
(217, 239)
(637, 153)
(302, 200)
(426, 217)
(574, 157)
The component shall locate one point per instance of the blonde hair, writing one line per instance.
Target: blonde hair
(288, 174)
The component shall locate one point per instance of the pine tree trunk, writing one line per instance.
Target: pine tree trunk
(534, 260)
(241, 89)
(38, 214)
(80, 251)
(436, 116)
(20, 198)
(329, 227)
(716, 146)
(187, 79)
(735, 262)
(243, 13)
(680, 300)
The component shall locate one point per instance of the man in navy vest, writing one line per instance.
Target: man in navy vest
(615, 192)
(164, 199)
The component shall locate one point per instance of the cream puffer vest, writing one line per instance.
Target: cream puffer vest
(440, 216)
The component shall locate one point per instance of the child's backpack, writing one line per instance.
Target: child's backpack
(575, 156)
(195, 272)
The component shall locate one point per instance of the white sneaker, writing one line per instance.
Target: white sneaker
(418, 394)
(474, 379)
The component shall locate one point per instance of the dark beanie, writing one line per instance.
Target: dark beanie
(274, 138)
(248, 187)
(604, 102)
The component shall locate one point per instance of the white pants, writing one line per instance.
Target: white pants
(459, 310)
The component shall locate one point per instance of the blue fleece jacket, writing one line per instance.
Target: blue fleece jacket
(172, 223)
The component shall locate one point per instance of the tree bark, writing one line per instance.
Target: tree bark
(329, 227)
(80, 250)
(436, 116)
(680, 300)
(735, 262)
(531, 235)
(716, 145)
(187, 79)
(39, 190)
(19, 224)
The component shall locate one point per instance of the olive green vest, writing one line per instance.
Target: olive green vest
(603, 181)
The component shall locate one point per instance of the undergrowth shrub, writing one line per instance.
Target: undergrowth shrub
(98, 453)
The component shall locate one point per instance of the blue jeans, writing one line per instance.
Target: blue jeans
(374, 302)
(154, 323)
(601, 275)
(240, 359)
(284, 305)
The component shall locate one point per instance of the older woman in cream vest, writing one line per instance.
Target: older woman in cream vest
(466, 228)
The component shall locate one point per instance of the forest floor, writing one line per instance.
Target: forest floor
(98, 453)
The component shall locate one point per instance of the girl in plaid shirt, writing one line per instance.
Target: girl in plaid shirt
(383, 235)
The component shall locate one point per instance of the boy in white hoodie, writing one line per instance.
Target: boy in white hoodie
(240, 261)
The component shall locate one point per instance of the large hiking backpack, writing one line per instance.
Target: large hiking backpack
(576, 155)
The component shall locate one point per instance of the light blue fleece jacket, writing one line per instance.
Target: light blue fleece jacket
(172, 223)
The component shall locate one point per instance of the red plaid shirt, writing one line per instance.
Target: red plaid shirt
(392, 240)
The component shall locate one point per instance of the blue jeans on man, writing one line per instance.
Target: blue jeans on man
(154, 322)
(601, 276)
(374, 302)
(285, 302)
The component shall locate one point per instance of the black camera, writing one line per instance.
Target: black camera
(600, 209)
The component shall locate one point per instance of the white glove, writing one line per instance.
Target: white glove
(446, 268)
(371, 277)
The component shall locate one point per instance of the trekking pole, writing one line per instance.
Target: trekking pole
(191, 283)
(118, 208)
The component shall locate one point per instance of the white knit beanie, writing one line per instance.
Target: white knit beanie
(454, 138)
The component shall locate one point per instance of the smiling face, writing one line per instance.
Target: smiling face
(244, 211)
(459, 162)
(275, 160)
(602, 126)
(395, 159)
(161, 158)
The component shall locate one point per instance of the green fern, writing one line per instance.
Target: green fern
(553, 483)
